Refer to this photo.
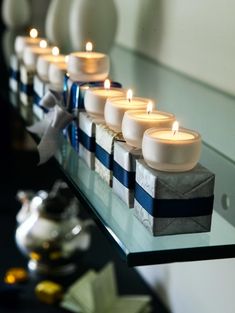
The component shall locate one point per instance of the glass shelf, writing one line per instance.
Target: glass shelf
(136, 245)
(197, 106)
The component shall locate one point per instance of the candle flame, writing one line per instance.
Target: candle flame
(66, 59)
(43, 44)
(107, 84)
(55, 51)
(129, 95)
(175, 127)
(89, 46)
(33, 33)
(149, 107)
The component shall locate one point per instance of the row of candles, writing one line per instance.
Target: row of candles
(165, 146)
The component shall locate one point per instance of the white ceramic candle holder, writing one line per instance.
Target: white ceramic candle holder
(31, 54)
(116, 107)
(43, 63)
(95, 99)
(21, 42)
(88, 66)
(165, 151)
(136, 122)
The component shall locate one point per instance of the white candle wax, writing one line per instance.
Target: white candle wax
(56, 74)
(31, 54)
(116, 107)
(88, 66)
(168, 135)
(135, 122)
(43, 63)
(95, 99)
(166, 150)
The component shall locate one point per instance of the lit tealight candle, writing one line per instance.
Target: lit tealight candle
(96, 97)
(44, 62)
(136, 122)
(171, 150)
(116, 107)
(23, 41)
(88, 65)
(31, 54)
(33, 33)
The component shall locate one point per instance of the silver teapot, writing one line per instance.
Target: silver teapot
(49, 232)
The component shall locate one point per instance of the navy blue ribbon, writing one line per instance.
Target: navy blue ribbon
(15, 74)
(101, 84)
(74, 136)
(27, 89)
(36, 100)
(72, 133)
(65, 89)
(173, 207)
(104, 157)
(86, 141)
(76, 99)
(125, 177)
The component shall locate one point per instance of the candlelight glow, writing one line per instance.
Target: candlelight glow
(175, 127)
(66, 59)
(55, 51)
(89, 46)
(129, 95)
(149, 107)
(43, 44)
(33, 33)
(107, 84)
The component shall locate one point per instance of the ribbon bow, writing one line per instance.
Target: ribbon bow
(50, 127)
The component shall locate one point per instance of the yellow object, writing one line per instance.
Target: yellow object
(48, 291)
(15, 275)
(35, 256)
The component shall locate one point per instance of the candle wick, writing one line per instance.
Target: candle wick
(174, 132)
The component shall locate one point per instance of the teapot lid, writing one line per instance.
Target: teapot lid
(58, 201)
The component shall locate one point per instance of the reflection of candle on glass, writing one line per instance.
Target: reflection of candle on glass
(23, 41)
(175, 150)
(88, 65)
(31, 54)
(96, 97)
(44, 62)
(135, 123)
(116, 107)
